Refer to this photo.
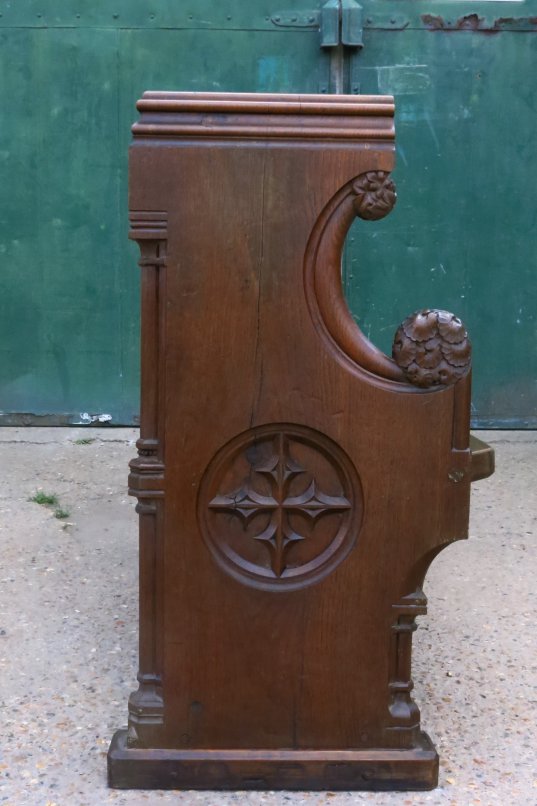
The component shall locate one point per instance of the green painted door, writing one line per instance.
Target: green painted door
(462, 236)
(70, 76)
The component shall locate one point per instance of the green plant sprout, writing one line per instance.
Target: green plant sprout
(44, 498)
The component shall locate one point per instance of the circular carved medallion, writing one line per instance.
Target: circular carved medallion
(280, 506)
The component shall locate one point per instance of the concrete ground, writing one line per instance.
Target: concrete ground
(68, 631)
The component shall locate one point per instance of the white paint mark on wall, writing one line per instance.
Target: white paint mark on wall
(431, 128)
(402, 154)
(403, 79)
(88, 419)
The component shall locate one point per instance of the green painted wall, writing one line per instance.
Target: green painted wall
(462, 236)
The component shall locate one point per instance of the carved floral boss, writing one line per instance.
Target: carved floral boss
(284, 509)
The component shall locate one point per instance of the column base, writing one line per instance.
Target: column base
(343, 770)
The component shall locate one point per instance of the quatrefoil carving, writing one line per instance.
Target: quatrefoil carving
(280, 470)
(280, 506)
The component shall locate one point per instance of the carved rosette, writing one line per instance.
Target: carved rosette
(375, 195)
(432, 348)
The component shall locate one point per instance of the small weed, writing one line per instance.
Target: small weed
(44, 499)
(52, 501)
(83, 441)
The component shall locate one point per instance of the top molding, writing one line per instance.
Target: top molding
(353, 118)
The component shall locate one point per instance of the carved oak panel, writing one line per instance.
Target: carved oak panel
(294, 483)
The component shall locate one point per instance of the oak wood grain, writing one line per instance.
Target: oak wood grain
(294, 485)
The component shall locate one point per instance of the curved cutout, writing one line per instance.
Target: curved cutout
(324, 291)
(415, 579)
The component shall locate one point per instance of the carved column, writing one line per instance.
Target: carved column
(146, 478)
(404, 724)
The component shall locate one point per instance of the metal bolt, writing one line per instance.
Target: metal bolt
(456, 475)
(277, 19)
(369, 20)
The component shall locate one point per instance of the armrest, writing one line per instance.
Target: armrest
(482, 465)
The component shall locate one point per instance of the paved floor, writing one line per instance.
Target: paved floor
(68, 632)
